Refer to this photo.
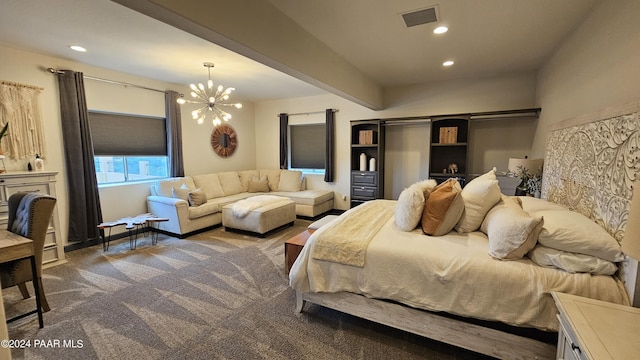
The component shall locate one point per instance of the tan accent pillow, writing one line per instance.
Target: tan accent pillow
(258, 185)
(197, 197)
(246, 176)
(443, 208)
(273, 176)
(512, 231)
(181, 193)
(290, 180)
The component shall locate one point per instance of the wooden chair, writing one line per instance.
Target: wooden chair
(29, 216)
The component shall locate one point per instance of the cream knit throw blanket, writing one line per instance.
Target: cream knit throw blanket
(347, 240)
(242, 208)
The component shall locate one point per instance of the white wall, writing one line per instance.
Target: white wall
(596, 67)
(122, 200)
(407, 157)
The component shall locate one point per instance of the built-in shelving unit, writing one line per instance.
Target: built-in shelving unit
(367, 137)
(449, 145)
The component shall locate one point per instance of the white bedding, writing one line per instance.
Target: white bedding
(454, 274)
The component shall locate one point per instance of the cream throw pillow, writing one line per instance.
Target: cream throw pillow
(479, 196)
(410, 204)
(512, 231)
(197, 197)
(290, 180)
(443, 208)
(181, 193)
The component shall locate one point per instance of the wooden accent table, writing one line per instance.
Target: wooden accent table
(16, 247)
(293, 247)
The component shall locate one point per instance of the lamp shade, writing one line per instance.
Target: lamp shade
(631, 240)
(534, 167)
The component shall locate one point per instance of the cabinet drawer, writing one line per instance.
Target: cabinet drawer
(50, 254)
(364, 178)
(40, 188)
(364, 192)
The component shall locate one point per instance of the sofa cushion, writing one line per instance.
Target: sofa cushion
(246, 176)
(226, 200)
(307, 197)
(273, 177)
(164, 187)
(205, 209)
(210, 184)
(290, 180)
(230, 182)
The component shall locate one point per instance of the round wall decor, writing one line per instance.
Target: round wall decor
(224, 140)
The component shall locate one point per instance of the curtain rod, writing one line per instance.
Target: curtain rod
(312, 112)
(11, 83)
(125, 84)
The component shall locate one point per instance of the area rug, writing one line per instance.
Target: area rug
(214, 295)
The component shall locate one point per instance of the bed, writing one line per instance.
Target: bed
(406, 279)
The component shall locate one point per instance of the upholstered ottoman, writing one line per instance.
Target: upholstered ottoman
(259, 214)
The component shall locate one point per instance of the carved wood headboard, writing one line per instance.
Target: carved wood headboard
(591, 164)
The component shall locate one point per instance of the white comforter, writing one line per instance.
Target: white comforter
(454, 274)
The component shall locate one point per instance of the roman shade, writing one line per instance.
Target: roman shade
(127, 135)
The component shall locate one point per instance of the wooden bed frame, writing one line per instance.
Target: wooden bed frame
(581, 153)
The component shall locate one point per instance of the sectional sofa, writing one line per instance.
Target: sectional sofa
(193, 203)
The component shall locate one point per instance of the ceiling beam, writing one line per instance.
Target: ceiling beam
(259, 31)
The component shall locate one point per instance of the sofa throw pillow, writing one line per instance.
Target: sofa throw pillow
(410, 205)
(273, 176)
(443, 208)
(246, 176)
(512, 231)
(197, 197)
(181, 192)
(479, 195)
(258, 184)
(290, 180)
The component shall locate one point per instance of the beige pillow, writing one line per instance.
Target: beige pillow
(571, 262)
(410, 204)
(571, 231)
(246, 176)
(181, 193)
(197, 197)
(443, 208)
(512, 231)
(273, 176)
(290, 180)
(258, 184)
(479, 195)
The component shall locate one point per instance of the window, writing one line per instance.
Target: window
(128, 147)
(307, 151)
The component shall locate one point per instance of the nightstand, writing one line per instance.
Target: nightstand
(593, 329)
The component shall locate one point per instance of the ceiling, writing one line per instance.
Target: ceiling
(485, 38)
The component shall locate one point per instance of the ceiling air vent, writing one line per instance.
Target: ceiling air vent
(419, 17)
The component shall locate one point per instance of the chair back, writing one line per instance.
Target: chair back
(30, 216)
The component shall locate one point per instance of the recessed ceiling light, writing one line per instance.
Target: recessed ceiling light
(440, 30)
(448, 63)
(77, 48)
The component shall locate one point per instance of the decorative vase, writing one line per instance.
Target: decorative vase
(372, 164)
(363, 162)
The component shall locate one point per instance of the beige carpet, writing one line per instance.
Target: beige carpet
(215, 295)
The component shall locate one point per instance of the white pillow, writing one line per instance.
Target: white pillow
(512, 232)
(531, 204)
(571, 262)
(573, 232)
(411, 204)
(290, 180)
(479, 196)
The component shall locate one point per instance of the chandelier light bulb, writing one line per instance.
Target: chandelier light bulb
(238, 106)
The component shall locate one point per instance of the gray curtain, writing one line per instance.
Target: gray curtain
(284, 147)
(330, 125)
(83, 199)
(174, 133)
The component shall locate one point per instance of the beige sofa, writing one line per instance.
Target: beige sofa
(193, 203)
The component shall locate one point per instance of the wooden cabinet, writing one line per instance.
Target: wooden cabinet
(449, 148)
(33, 181)
(593, 329)
(367, 137)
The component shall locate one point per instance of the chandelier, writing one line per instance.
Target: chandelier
(210, 100)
